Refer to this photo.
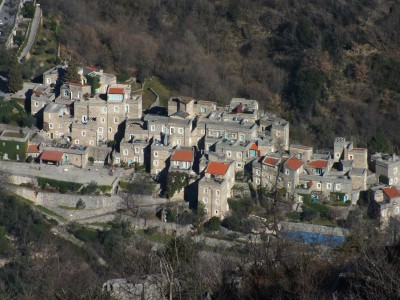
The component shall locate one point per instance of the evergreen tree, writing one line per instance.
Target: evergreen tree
(15, 82)
(71, 74)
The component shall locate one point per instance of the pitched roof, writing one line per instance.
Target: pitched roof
(294, 163)
(318, 164)
(272, 161)
(254, 147)
(51, 155)
(116, 91)
(182, 155)
(391, 192)
(33, 149)
(217, 168)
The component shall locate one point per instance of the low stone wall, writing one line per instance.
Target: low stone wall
(319, 229)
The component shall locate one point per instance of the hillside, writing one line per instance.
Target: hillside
(330, 67)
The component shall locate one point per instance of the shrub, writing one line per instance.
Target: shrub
(51, 51)
(80, 204)
(91, 188)
(91, 159)
(308, 214)
(62, 186)
(213, 224)
(29, 159)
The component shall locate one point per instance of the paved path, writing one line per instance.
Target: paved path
(66, 172)
(32, 34)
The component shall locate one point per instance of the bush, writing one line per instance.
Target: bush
(80, 204)
(213, 224)
(51, 51)
(308, 214)
(91, 159)
(91, 188)
(29, 159)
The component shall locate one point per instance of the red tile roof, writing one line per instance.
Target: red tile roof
(33, 149)
(51, 155)
(318, 164)
(217, 168)
(92, 68)
(116, 90)
(272, 161)
(294, 163)
(182, 155)
(391, 192)
(254, 147)
(75, 84)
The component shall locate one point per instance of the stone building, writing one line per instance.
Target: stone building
(41, 96)
(215, 187)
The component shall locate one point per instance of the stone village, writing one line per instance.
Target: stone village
(105, 124)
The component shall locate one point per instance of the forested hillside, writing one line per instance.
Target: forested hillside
(330, 67)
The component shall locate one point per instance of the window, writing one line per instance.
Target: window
(66, 93)
(268, 177)
(117, 160)
(396, 210)
(239, 154)
(203, 131)
(79, 95)
(136, 150)
(17, 147)
(100, 137)
(141, 159)
(126, 108)
(205, 191)
(337, 187)
(155, 163)
(205, 210)
(289, 184)
(228, 153)
(239, 165)
(83, 133)
(278, 133)
(135, 159)
(116, 109)
(395, 170)
(328, 186)
(176, 162)
(287, 172)
(205, 199)
(217, 202)
(390, 181)
(51, 125)
(164, 129)
(319, 185)
(104, 109)
(100, 129)
(217, 192)
(257, 172)
(50, 116)
(257, 181)
(36, 104)
(60, 126)
(180, 130)
(155, 154)
(77, 142)
(116, 120)
(5, 155)
(202, 109)
(109, 129)
(337, 155)
(350, 157)
(125, 151)
(103, 120)
(178, 142)
(91, 143)
(48, 80)
(172, 130)
(216, 212)
(241, 138)
(17, 157)
(153, 128)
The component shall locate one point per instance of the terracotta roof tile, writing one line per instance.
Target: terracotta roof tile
(116, 91)
(51, 155)
(272, 161)
(75, 84)
(294, 163)
(217, 168)
(92, 68)
(182, 155)
(318, 164)
(33, 149)
(254, 147)
(391, 192)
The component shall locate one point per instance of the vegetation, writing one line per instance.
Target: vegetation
(176, 181)
(61, 186)
(71, 74)
(28, 11)
(13, 113)
(14, 76)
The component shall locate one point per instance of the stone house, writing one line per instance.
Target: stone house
(292, 168)
(182, 160)
(301, 152)
(203, 107)
(56, 121)
(387, 166)
(265, 170)
(215, 187)
(41, 96)
(85, 134)
(76, 91)
(278, 129)
(65, 155)
(53, 76)
(341, 148)
(181, 104)
(385, 204)
(135, 151)
(160, 152)
(237, 151)
(33, 151)
(244, 109)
